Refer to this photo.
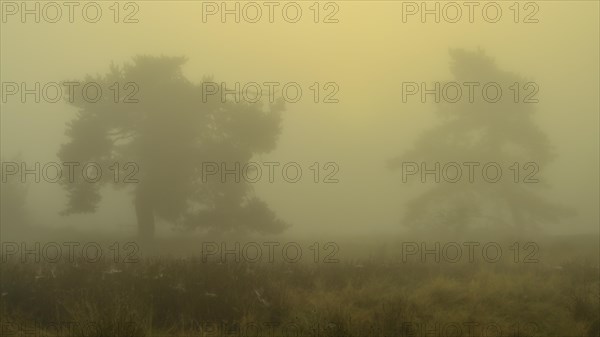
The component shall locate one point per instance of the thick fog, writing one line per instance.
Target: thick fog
(299, 168)
(364, 58)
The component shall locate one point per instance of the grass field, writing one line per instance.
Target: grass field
(377, 295)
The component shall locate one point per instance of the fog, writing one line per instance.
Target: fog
(342, 169)
(368, 54)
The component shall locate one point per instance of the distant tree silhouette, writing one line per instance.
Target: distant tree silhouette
(503, 132)
(169, 133)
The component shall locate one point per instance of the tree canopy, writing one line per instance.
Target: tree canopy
(502, 132)
(162, 124)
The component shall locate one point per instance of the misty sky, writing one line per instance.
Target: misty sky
(369, 53)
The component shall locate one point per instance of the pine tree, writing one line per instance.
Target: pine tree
(168, 134)
(503, 132)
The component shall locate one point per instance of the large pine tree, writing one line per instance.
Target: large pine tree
(504, 132)
(163, 124)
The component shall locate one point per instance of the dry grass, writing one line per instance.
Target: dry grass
(185, 297)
